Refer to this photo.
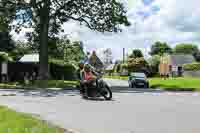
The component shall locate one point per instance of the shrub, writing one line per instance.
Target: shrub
(125, 66)
(5, 57)
(136, 64)
(192, 67)
(61, 70)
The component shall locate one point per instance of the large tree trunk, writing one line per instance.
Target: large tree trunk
(43, 51)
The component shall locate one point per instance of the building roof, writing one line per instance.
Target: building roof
(30, 58)
(181, 59)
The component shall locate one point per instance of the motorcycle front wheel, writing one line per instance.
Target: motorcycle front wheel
(106, 92)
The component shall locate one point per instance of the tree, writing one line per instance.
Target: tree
(47, 16)
(137, 64)
(74, 52)
(160, 48)
(21, 48)
(3, 24)
(136, 53)
(197, 56)
(108, 56)
(154, 62)
(6, 42)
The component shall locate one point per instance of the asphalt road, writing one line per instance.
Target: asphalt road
(131, 111)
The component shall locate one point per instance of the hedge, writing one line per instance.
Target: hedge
(5, 57)
(61, 70)
(192, 67)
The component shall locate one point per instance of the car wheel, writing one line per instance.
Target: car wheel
(146, 85)
(132, 85)
(129, 84)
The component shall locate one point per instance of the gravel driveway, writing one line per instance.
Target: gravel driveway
(131, 111)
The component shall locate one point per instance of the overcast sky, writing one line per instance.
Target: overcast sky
(172, 21)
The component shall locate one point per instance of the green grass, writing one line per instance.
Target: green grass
(9, 85)
(39, 84)
(53, 83)
(176, 84)
(13, 122)
(117, 77)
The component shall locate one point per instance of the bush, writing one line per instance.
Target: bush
(125, 66)
(154, 62)
(192, 67)
(5, 57)
(136, 64)
(61, 70)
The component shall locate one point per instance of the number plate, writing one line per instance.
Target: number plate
(140, 83)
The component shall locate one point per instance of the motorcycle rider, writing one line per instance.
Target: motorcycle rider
(81, 67)
(80, 75)
(88, 78)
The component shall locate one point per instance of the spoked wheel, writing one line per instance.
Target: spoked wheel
(106, 92)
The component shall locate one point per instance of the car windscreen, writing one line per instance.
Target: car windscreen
(138, 75)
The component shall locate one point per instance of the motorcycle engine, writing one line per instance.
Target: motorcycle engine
(94, 84)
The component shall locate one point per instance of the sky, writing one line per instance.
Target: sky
(171, 21)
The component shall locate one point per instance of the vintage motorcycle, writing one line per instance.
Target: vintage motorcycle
(99, 89)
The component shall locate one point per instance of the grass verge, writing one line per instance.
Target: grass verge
(39, 84)
(176, 84)
(14, 122)
(117, 77)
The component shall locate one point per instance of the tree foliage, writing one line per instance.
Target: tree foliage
(47, 16)
(5, 39)
(4, 57)
(160, 48)
(137, 53)
(137, 64)
(7, 44)
(192, 67)
(197, 56)
(21, 48)
(74, 52)
(3, 24)
(154, 62)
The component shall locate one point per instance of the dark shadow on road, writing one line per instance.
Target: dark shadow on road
(47, 93)
(94, 99)
(42, 92)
